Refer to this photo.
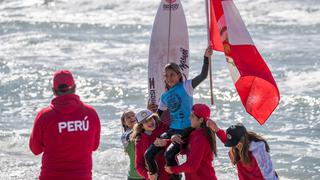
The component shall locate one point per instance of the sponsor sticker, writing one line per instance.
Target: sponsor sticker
(170, 5)
(183, 59)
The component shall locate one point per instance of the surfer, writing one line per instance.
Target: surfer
(248, 151)
(128, 120)
(178, 100)
(66, 132)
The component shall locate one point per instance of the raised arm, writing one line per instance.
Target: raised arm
(204, 72)
(220, 132)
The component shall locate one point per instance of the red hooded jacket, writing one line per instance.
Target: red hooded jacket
(66, 132)
(199, 158)
(142, 145)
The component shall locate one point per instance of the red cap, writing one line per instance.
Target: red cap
(63, 77)
(202, 111)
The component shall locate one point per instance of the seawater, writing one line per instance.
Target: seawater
(105, 44)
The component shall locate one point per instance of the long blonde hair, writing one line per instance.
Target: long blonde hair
(138, 128)
(243, 154)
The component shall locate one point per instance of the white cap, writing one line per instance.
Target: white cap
(143, 115)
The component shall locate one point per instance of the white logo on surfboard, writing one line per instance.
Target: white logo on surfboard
(170, 5)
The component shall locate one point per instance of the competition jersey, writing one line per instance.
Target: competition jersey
(178, 100)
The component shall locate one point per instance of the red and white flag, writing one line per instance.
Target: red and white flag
(252, 78)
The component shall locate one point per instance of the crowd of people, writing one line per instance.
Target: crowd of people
(68, 131)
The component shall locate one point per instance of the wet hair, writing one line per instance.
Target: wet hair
(138, 128)
(123, 118)
(64, 89)
(243, 154)
(174, 67)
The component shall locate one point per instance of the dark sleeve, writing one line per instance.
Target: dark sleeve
(186, 132)
(203, 75)
(159, 112)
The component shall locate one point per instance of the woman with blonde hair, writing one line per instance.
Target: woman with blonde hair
(128, 120)
(145, 133)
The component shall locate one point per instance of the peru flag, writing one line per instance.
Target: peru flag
(252, 78)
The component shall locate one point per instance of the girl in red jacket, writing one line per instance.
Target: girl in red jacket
(202, 148)
(145, 133)
(249, 151)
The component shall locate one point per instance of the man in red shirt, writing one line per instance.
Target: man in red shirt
(66, 133)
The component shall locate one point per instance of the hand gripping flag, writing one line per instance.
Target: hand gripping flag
(252, 78)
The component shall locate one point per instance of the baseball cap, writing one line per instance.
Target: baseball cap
(234, 134)
(201, 111)
(143, 115)
(63, 77)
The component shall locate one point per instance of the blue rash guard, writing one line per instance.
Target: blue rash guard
(178, 100)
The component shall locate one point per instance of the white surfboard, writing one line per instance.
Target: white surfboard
(169, 43)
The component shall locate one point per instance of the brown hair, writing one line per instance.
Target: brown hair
(174, 67)
(243, 153)
(138, 128)
(64, 89)
(123, 118)
(211, 136)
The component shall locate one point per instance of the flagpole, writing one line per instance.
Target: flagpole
(210, 64)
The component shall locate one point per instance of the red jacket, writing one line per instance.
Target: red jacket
(260, 167)
(66, 132)
(199, 158)
(142, 145)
